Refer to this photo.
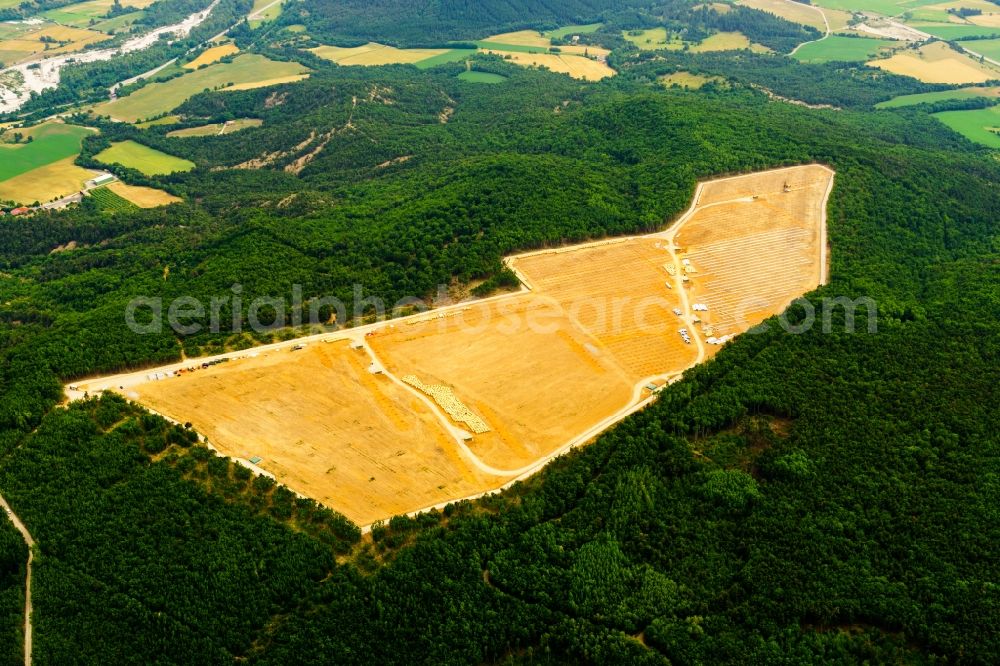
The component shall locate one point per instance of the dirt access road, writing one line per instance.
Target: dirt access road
(27, 584)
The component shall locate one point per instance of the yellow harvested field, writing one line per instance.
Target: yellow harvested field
(986, 20)
(250, 85)
(143, 197)
(727, 41)
(398, 416)
(67, 40)
(576, 66)
(937, 63)
(46, 183)
(587, 50)
(521, 38)
(798, 12)
(984, 6)
(375, 54)
(533, 38)
(214, 54)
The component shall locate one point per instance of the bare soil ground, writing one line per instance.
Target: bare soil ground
(753, 256)
(325, 427)
(542, 368)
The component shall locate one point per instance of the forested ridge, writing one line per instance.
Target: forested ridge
(13, 560)
(434, 23)
(814, 498)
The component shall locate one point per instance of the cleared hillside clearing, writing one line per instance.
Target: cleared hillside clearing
(516, 379)
(755, 247)
(325, 427)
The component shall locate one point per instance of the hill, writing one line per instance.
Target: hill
(823, 490)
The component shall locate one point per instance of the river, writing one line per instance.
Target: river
(42, 74)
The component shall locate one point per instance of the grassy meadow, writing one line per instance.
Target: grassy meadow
(975, 125)
(142, 158)
(50, 142)
(837, 48)
(245, 71)
(481, 77)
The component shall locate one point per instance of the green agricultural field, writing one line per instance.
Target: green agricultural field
(519, 48)
(926, 14)
(837, 48)
(566, 31)
(11, 30)
(926, 98)
(267, 12)
(454, 55)
(482, 77)
(142, 158)
(886, 7)
(651, 39)
(156, 98)
(51, 143)
(958, 31)
(118, 23)
(975, 125)
(107, 200)
(77, 15)
(165, 120)
(986, 47)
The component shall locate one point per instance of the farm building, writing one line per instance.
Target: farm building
(103, 179)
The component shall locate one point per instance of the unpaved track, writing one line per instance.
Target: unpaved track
(27, 583)
(825, 22)
(257, 14)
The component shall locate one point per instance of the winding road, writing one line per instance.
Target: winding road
(825, 22)
(27, 584)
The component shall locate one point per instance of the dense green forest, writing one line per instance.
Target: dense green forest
(815, 498)
(431, 22)
(13, 559)
(838, 84)
(427, 23)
